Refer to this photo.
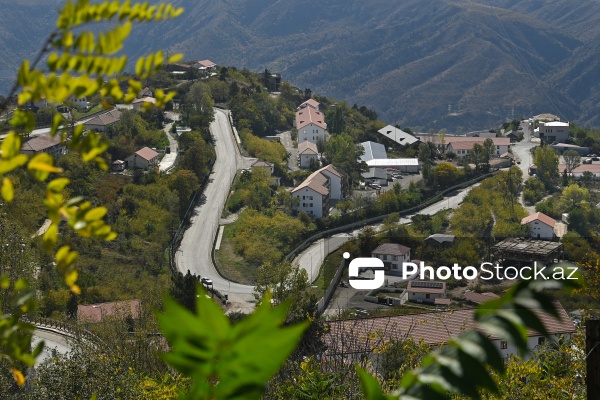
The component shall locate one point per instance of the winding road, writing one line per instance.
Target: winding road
(194, 253)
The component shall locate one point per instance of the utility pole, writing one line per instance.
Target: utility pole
(592, 349)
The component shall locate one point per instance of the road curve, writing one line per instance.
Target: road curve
(194, 253)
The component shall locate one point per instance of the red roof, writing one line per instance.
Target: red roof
(593, 168)
(307, 148)
(394, 249)
(539, 217)
(310, 102)
(479, 298)
(147, 153)
(94, 313)
(309, 115)
(40, 143)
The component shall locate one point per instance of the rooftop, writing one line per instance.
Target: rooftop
(373, 150)
(393, 162)
(307, 148)
(394, 249)
(309, 115)
(105, 119)
(398, 135)
(479, 298)
(538, 216)
(94, 313)
(310, 102)
(365, 334)
(146, 153)
(40, 143)
(434, 287)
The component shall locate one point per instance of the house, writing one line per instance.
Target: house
(310, 124)
(118, 166)
(545, 117)
(145, 92)
(426, 291)
(338, 180)
(392, 255)
(143, 102)
(308, 153)
(593, 169)
(358, 338)
(462, 146)
(540, 226)
(376, 175)
(479, 298)
(555, 131)
(273, 82)
(264, 164)
(313, 195)
(310, 103)
(143, 159)
(206, 65)
(100, 122)
(95, 313)
(79, 102)
(44, 144)
(318, 189)
(440, 240)
(398, 135)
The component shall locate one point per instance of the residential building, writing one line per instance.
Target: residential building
(44, 144)
(118, 166)
(310, 124)
(376, 175)
(142, 101)
(562, 147)
(206, 65)
(338, 181)
(308, 153)
(318, 189)
(426, 291)
(540, 226)
(555, 131)
(545, 117)
(463, 146)
(398, 135)
(143, 159)
(310, 103)
(95, 313)
(79, 102)
(100, 122)
(440, 240)
(356, 338)
(392, 255)
(593, 169)
(264, 164)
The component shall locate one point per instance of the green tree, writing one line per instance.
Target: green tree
(185, 183)
(198, 106)
(545, 159)
(572, 160)
(342, 152)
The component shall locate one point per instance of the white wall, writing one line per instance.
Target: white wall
(311, 133)
(310, 202)
(539, 230)
(305, 159)
(335, 185)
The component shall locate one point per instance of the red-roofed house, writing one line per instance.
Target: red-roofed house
(426, 291)
(540, 226)
(591, 168)
(100, 122)
(94, 313)
(47, 144)
(462, 147)
(139, 103)
(144, 158)
(315, 192)
(310, 124)
(310, 103)
(206, 65)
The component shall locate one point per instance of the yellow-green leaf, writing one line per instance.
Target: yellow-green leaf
(8, 191)
(57, 185)
(95, 213)
(11, 145)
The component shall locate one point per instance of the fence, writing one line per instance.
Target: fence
(67, 329)
(324, 302)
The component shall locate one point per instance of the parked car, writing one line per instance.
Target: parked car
(206, 281)
(595, 158)
(587, 161)
(375, 185)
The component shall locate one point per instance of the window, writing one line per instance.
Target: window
(541, 340)
(427, 295)
(394, 258)
(310, 197)
(503, 344)
(311, 204)
(384, 257)
(303, 197)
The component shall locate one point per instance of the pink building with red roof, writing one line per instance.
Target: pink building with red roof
(143, 159)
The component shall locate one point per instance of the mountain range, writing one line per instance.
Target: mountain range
(459, 65)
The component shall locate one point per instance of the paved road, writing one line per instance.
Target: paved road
(169, 159)
(194, 253)
(53, 341)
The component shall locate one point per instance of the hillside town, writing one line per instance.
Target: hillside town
(245, 185)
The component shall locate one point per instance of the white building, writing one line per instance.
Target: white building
(308, 153)
(409, 165)
(206, 65)
(398, 135)
(540, 226)
(143, 159)
(426, 291)
(310, 124)
(315, 192)
(593, 169)
(143, 102)
(462, 146)
(392, 255)
(554, 131)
